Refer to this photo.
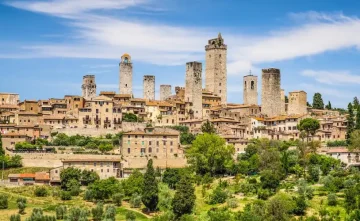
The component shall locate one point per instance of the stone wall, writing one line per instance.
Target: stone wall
(216, 72)
(149, 87)
(283, 110)
(9, 98)
(88, 87)
(125, 75)
(271, 92)
(193, 88)
(297, 102)
(250, 94)
(165, 92)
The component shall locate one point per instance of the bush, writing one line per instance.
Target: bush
(332, 199)
(110, 213)
(40, 191)
(15, 217)
(218, 196)
(135, 201)
(130, 216)
(232, 203)
(60, 212)
(117, 198)
(3, 201)
(65, 195)
(264, 194)
(97, 212)
(21, 203)
(300, 205)
(88, 195)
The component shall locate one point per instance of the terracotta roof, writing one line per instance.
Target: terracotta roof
(13, 175)
(27, 113)
(26, 175)
(258, 118)
(54, 117)
(92, 160)
(107, 92)
(222, 120)
(123, 95)
(42, 176)
(138, 100)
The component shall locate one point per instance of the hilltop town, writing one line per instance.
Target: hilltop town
(148, 124)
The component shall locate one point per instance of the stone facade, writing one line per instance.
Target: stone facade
(126, 74)
(216, 72)
(149, 87)
(193, 89)
(165, 91)
(297, 102)
(89, 87)
(271, 92)
(9, 98)
(250, 89)
(283, 109)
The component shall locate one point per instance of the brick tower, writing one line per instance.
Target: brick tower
(271, 92)
(125, 72)
(193, 89)
(149, 87)
(88, 87)
(165, 91)
(250, 89)
(216, 73)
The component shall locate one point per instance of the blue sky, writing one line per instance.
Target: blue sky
(47, 46)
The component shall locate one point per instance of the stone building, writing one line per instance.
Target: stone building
(165, 91)
(250, 89)
(297, 102)
(126, 73)
(9, 98)
(149, 87)
(271, 92)
(29, 106)
(283, 108)
(88, 87)
(193, 89)
(216, 73)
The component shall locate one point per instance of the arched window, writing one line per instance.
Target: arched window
(126, 60)
(252, 84)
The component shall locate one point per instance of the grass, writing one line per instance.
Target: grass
(24, 170)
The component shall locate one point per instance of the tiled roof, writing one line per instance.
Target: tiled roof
(91, 160)
(27, 175)
(42, 176)
(123, 95)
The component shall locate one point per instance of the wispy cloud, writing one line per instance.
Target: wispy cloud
(332, 77)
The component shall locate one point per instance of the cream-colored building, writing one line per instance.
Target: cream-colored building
(105, 168)
(9, 98)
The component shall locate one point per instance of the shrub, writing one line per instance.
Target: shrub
(232, 203)
(60, 212)
(218, 196)
(117, 198)
(130, 216)
(300, 205)
(135, 201)
(15, 217)
(40, 191)
(21, 203)
(110, 213)
(3, 201)
(97, 212)
(65, 195)
(332, 199)
(264, 194)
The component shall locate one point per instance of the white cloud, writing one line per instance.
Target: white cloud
(332, 77)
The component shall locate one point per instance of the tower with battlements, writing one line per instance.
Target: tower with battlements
(297, 103)
(149, 87)
(271, 92)
(193, 89)
(165, 91)
(216, 72)
(88, 87)
(250, 94)
(125, 75)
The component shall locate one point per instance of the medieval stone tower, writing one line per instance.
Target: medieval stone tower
(250, 89)
(125, 72)
(193, 89)
(283, 106)
(297, 103)
(88, 87)
(165, 91)
(271, 92)
(149, 87)
(216, 73)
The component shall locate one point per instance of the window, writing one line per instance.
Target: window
(128, 136)
(157, 150)
(101, 164)
(107, 170)
(94, 164)
(157, 143)
(252, 84)
(129, 142)
(171, 143)
(128, 150)
(150, 150)
(142, 143)
(102, 170)
(171, 150)
(106, 110)
(149, 142)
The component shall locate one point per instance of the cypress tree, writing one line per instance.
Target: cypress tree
(328, 106)
(357, 125)
(150, 191)
(318, 102)
(2, 151)
(356, 103)
(184, 198)
(350, 123)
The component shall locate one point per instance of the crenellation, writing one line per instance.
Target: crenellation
(250, 94)
(149, 87)
(89, 87)
(271, 92)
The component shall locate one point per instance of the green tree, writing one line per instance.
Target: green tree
(332, 199)
(355, 140)
(300, 205)
(21, 203)
(105, 147)
(208, 127)
(133, 184)
(318, 102)
(3, 201)
(61, 212)
(68, 175)
(110, 213)
(219, 195)
(150, 190)
(210, 154)
(38, 215)
(184, 198)
(104, 189)
(130, 117)
(2, 151)
(328, 106)
(279, 207)
(130, 216)
(357, 125)
(88, 177)
(135, 201)
(165, 197)
(117, 198)
(269, 180)
(171, 177)
(15, 217)
(309, 125)
(77, 214)
(356, 103)
(41, 191)
(350, 123)
(97, 212)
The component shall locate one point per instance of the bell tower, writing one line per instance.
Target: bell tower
(125, 74)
